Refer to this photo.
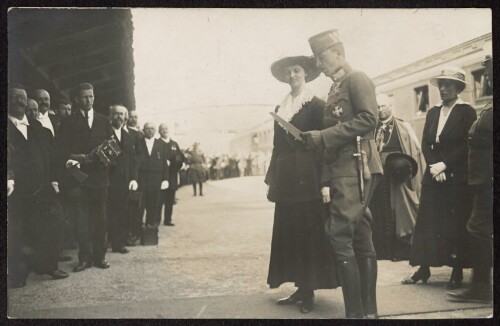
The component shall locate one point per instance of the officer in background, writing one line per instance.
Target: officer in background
(480, 224)
(350, 112)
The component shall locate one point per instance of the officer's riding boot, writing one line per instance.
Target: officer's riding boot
(351, 289)
(368, 278)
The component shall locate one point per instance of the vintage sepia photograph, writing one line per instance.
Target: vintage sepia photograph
(210, 163)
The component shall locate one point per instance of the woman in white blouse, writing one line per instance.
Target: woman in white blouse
(440, 237)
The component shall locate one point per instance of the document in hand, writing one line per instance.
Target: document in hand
(294, 131)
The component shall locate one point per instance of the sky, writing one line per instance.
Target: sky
(188, 61)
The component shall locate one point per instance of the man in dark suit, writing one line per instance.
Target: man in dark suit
(32, 216)
(134, 222)
(79, 134)
(42, 97)
(63, 110)
(174, 162)
(153, 174)
(123, 176)
(351, 167)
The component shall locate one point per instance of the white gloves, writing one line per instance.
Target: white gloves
(437, 168)
(10, 187)
(440, 177)
(168, 163)
(71, 163)
(133, 185)
(164, 185)
(325, 193)
(437, 171)
(55, 185)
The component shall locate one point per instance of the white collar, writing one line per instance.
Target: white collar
(166, 140)
(43, 115)
(17, 122)
(125, 128)
(151, 140)
(116, 130)
(291, 105)
(90, 112)
(458, 101)
(386, 121)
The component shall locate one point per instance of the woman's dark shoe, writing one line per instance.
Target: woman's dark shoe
(307, 303)
(422, 274)
(455, 279)
(293, 299)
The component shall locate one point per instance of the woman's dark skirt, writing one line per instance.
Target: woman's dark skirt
(441, 237)
(300, 250)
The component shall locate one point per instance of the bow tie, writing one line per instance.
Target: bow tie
(18, 123)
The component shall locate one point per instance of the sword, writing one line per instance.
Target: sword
(359, 156)
(294, 131)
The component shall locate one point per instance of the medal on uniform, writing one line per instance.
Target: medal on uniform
(337, 111)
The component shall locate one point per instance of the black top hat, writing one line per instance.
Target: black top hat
(308, 63)
(401, 166)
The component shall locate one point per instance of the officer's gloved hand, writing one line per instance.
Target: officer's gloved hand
(313, 138)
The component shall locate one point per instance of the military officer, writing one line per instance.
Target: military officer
(351, 165)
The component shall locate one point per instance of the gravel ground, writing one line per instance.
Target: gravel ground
(213, 264)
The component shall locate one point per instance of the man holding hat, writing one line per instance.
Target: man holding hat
(350, 167)
(480, 224)
(78, 135)
(396, 197)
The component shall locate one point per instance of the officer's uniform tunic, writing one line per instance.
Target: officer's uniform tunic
(351, 111)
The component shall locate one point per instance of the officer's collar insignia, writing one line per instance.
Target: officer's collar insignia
(337, 111)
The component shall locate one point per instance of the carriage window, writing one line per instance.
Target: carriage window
(422, 99)
(481, 87)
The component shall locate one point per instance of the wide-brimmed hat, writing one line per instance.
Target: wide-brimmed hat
(308, 63)
(400, 166)
(452, 73)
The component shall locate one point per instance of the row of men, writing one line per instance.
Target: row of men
(54, 174)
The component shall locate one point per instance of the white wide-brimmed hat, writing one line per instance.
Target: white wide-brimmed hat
(452, 73)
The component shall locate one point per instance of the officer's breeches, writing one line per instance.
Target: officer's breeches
(349, 221)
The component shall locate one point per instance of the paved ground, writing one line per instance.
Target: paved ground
(213, 264)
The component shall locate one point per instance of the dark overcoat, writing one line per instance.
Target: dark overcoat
(175, 158)
(75, 137)
(440, 232)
